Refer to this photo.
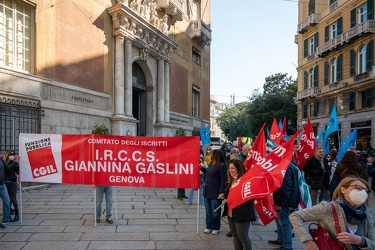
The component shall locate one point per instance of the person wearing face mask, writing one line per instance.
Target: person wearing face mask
(357, 226)
(239, 218)
(11, 181)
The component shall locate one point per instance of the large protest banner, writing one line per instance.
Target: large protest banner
(168, 162)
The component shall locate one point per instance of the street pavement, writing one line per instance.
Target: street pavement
(61, 216)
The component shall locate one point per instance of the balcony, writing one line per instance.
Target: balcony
(333, 6)
(353, 33)
(175, 8)
(308, 93)
(364, 76)
(310, 21)
(200, 32)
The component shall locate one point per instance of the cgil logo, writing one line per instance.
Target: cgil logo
(246, 189)
(43, 171)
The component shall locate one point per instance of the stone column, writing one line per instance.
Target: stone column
(128, 78)
(166, 91)
(160, 89)
(119, 77)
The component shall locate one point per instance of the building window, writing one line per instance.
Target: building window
(352, 101)
(334, 30)
(362, 13)
(314, 109)
(362, 59)
(311, 78)
(196, 55)
(17, 117)
(334, 70)
(366, 98)
(312, 45)
(195, 103)
(304, 111)
(332, 2)
(311, 7)
(16, 35)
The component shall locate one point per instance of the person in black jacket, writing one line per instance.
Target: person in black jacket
(286, 198)
(239, 218)
(317, 173)
(11, 181)
(4, 168)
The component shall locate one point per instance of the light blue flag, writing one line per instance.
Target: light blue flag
(280, 124)
(205, 135)
(319, 136)
(342, 149)
(333, 125)
(267, 132)
(352, 139)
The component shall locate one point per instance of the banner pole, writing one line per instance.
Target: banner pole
(114, 195)
(95, 205)
(199, 201)
(21, 199)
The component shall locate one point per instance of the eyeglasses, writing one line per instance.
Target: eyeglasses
(359, 188)
(11, 153)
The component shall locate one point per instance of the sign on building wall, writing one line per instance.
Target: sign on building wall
(171, 162)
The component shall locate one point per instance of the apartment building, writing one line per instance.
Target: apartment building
(138, 67)
(336, 66)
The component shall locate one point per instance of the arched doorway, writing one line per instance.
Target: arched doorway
(139, 98)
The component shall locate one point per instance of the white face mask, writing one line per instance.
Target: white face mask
(11, 157)
(358, 197)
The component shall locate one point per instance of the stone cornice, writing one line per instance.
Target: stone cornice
(143, 33)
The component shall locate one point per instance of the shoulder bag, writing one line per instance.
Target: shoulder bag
(321, 236)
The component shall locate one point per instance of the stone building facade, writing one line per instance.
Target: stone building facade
(138, 67)
(336, 66)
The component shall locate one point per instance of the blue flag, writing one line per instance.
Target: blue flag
(319, 137)
(205, 135)
(333, 125)
(342, 149)
(352, 139)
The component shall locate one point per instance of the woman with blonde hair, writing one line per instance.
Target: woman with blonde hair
(357, 226)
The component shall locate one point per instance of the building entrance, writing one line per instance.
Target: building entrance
(139, 98)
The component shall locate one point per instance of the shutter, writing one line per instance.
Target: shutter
(352, 62)
(369, 56)
(339, 68)
(369, 98)
(352, 101)
(326, 34)
(316, 75)
(305, 48)
(326, 73)
(370, 9)
(311, 7)
(353, 18)
(305, 80)
(339, 26)
(316, 40)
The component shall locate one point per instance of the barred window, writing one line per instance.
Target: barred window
(195, 104)
(16, 35)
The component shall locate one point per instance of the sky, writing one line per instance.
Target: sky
(251, 40)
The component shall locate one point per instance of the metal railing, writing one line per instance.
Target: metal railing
(366, 26)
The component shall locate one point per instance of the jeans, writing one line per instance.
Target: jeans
(240, 234)
(314, 195)
(100, 191)
(284, 229)
(6, 203)
(191, 195)
(12, 191)
(212, 218)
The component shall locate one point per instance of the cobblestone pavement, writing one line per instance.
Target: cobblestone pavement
(147, 218)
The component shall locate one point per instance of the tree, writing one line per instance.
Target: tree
(235, 121)
(276, 101)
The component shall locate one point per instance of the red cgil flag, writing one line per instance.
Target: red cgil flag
(265, 209)
(307, 145)
(257, 150)
(264, 177)
(277, 135)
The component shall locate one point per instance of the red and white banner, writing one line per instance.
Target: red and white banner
(264, 177)
(307, 145)
(170, 162)
(258, 150)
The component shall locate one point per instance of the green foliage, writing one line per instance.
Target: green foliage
(180, 132)
(235, 119)
(276, 101)
(100, 129)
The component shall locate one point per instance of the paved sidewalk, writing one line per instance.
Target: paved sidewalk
(148, 218)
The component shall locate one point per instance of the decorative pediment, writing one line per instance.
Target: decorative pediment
(140, 22)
